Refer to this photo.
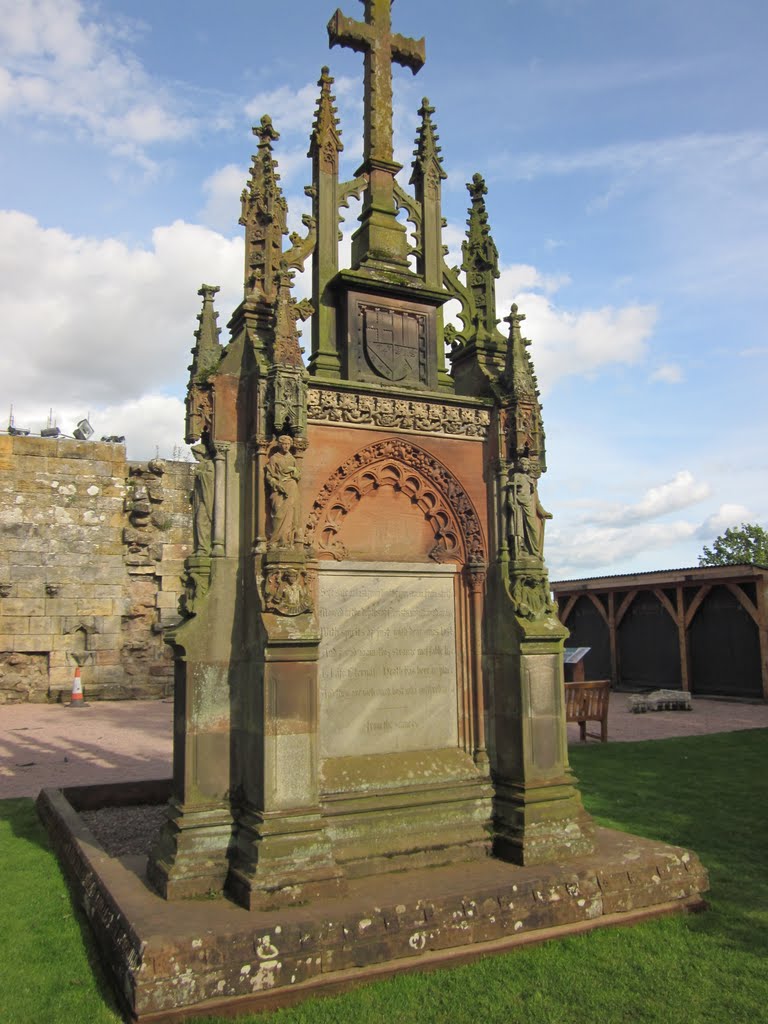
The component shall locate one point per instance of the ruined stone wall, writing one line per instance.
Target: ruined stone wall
(91, 556)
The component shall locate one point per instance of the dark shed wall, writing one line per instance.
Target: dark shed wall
(589, 629)
(648, 648)
(724, 646)
(703, 629)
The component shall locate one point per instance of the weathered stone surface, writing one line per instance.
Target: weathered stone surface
(70, 581)
(165, 957)
(388, 668)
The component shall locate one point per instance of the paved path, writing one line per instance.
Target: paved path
(52, 745)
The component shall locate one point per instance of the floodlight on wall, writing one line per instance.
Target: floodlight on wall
(114, 438)
(50, 432)
(13, 429)
(83, 430)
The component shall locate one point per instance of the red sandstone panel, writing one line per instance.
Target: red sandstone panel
(330, 446)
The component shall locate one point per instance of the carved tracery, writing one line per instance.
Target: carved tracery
(417, 474)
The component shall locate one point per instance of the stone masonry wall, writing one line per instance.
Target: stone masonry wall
(91, 555)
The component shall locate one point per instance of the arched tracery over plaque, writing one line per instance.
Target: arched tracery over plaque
(457, 538)
(407, 468)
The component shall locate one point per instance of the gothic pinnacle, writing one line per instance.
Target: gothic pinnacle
(325, 127)
(264, 216)
(207, 350)
(427, 150)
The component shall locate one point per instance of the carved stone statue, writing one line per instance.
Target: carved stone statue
(202, 500)
(287, 592)
(532, 598)
(283, 475)
(526, 514)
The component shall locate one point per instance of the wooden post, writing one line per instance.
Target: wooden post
(762, 629)
(682, 640)
(612, 639)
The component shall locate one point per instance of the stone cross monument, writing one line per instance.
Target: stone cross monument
(369, 668)
(369, 728)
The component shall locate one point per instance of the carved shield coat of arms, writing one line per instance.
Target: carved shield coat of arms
(392, 339)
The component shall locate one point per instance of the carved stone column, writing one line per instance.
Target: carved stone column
(537, 811)
(258, 448)
(476, 576)
(219, 499)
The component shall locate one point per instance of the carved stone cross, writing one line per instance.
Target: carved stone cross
(374, 38)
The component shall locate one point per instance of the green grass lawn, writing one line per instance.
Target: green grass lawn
(709, 793)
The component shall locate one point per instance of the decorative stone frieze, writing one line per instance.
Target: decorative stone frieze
(326, 406)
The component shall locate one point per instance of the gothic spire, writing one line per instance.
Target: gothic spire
(326, 134)
(207, 349)
(287, 351)
(206, 356)
(481, 266)
(427, 152)
(519, 373)
(525, 441)
(264, 216)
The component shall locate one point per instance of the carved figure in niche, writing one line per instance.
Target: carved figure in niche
(287, 592)
(526, 514)
(532, 598)
(283, 475)
(202, 500)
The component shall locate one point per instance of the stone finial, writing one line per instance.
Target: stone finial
(264, 216)
(207, 349)
(525, 441)
(519, 373)
(481, 265)
(326, 134)
(287, 351)
(427, 152)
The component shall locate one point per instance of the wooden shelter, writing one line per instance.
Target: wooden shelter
(703, 630)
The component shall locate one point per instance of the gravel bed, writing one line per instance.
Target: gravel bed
(129, 830)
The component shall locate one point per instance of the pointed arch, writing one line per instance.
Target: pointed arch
(416, 473)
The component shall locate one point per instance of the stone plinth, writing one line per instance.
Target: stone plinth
(168, 959)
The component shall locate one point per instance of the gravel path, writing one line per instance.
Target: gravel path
(52, 745)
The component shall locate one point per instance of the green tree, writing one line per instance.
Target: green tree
(747, 543)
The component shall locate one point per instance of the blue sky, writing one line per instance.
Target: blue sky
(625, 148)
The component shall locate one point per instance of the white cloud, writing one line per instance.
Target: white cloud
(566, 343)
(60, 66)
(521, 277)
(222, 189)
(680, 492)
(678, 152)
(151, 424)
(291, 110)
(96, 323)
(726, 516)
(599, 548)
(668, 373)
(620, 537)
(579, 343)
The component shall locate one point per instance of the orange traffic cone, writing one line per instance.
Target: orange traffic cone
(76, 700)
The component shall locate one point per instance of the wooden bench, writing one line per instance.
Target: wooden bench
(588, 702)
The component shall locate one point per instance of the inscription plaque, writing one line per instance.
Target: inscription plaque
(387, 659)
